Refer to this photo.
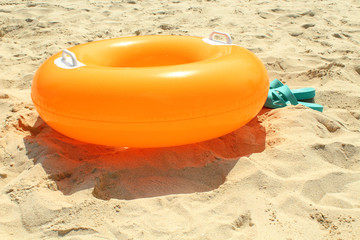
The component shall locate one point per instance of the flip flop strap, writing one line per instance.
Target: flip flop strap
(285, 93)
(275, 83)
(278, 99)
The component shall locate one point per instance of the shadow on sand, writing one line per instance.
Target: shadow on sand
(122, 173)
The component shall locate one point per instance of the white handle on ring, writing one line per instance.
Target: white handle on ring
(73, 58)
(226, 35)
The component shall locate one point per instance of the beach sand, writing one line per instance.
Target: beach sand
(291, 173)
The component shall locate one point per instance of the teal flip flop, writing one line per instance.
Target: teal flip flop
(283, 96)
(300, 94)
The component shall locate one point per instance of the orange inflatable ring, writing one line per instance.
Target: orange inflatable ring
(150, 91)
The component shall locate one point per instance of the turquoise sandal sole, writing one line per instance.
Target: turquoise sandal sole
(282, 96)
(300, 94)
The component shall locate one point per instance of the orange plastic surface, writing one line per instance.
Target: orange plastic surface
(151, 91)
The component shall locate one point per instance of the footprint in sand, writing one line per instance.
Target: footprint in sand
(333, 189)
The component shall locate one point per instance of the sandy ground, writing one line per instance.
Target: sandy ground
(291, 173)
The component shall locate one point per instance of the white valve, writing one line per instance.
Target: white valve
(68, 62)
(212, 41)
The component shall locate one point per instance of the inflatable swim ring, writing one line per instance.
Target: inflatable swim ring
(150, 91)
